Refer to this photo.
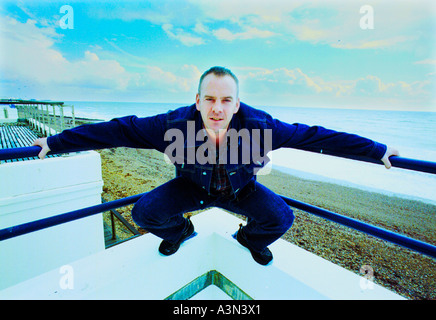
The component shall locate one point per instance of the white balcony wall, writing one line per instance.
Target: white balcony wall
(37, 189)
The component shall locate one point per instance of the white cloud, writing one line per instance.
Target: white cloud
(201, 28)
(28, 56)
(432, 64)
(372, 85)
(226, 21)
(182, 36)
(295, 87)
(397, 24)
(27, 50)
(295, 81)
(248, 33)
(416, 88)
(283, 80)
(190, 22)
(331, 22)
(239, 11)
(426, 61)
(374, 44)
(335, 23)
(183, 79)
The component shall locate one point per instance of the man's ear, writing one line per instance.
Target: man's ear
(238, 103)
(197, 101)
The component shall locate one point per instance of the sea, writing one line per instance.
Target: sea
(413, 134)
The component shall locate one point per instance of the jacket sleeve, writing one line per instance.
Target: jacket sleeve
(322, 140)
(130, 131)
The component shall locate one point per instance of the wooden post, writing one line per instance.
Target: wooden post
(62, 117)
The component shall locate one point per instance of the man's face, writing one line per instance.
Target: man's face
(217, 101)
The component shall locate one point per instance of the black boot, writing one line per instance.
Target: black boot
(168, 248)
(263, 257)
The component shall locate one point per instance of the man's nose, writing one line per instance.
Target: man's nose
(217, 107)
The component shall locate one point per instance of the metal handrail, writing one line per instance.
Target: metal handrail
(407, 242)
(26, 152)
(32, 226)
(399, 162)
(396, 238)
(396, 161)
(404, 241)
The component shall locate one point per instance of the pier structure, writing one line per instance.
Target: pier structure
(46, 117)
(23, 121)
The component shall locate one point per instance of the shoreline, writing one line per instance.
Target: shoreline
(131, 171)
(396, 182)
(344, 183)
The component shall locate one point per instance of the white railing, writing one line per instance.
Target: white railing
(48, 119)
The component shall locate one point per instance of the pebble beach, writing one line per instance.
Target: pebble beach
(129, 172)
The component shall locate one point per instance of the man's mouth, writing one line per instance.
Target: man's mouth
(216, 119)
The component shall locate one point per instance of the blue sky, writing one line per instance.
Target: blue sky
(285, 53)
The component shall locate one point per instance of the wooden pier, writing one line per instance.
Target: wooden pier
(17, 135)
(34, 119)
(47, 117)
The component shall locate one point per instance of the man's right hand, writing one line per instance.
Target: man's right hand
(42, 142)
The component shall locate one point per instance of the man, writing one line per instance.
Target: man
(205, 177)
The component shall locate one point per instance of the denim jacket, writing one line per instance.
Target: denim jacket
(153, 133)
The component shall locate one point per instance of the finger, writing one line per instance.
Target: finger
(42, 142)
(36, 143)
(387, 163)
(42, 153)
(389, 153)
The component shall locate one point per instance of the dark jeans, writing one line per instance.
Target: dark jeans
(161, 211)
